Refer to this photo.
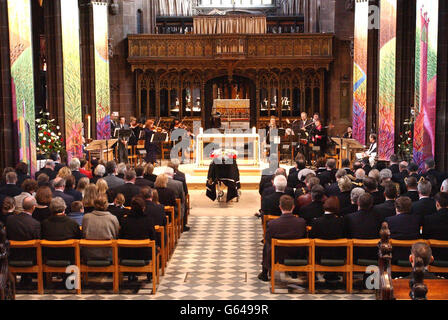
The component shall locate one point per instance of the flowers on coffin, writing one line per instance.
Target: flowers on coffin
(225, 154)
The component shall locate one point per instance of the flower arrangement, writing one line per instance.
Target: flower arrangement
(405, 146)
(48, 136)
(226, 153)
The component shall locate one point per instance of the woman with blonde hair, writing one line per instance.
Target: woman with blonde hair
(148, 173)
(82, 184)
(166, 196)
(90, 194)
(102, 186)
(64, 173)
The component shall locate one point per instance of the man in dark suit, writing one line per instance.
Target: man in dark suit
(178, 175)
(266, 174)
(48, 170)
(346, 166)
(128, 189)
(23, 227)
(425, 206)
(270, 203)
(287, 226)
(293, 178)
(327, 177)
(363, 224)
(315, 209)
(271, 189)
(387, 209)
(371, 186)
(393, 166)
(430, 168)
(412, 192)
(401, 176)
(435, 226)
(10, 189)
(155, 211)
(403, 226)
(75, 165)
(354, 196)
(111, 178)
(59, 191)
(333, 188)
(57, 161)
(140, 181)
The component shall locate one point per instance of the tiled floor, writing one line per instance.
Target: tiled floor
(219, 258)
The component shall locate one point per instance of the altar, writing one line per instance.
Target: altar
(235, 113)
(247, 146)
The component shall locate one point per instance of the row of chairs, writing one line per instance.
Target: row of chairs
(346, 266)
(159, 261)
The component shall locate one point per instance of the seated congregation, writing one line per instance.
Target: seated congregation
(90, 216)
(321, 221)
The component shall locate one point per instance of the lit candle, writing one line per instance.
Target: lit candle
(88, 126)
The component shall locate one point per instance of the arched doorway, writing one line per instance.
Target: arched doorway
(224, 88)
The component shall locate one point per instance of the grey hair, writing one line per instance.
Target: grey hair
(59, 183)
(385, 174)
(121, 168)
(75, 164)
(374, 174)
(355, 194)
(424, 187)
(49, 162)
(100, 170)
(169, 172)
(360, 174)
(340, 173)
(345, 184)
(57, 205)
(280, 171)
(280, 183)
(444, 187)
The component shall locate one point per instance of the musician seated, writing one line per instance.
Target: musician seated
(371, 152)
(349, 133)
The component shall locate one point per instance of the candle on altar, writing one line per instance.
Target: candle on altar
(88, 126)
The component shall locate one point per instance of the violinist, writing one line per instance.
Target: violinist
(151, 148)
(319, 136)
(135, 127)
(122, 142)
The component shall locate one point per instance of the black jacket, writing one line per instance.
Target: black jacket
(413, 195)
(403, 226)
(435, 226)
(180, 176)
(77, 196)
(167, 197)
(384, 210)
(332, 190)
(129, 190)
(287, 226)
(270, 204)
(363, 225)
(22, 227)
(327, 177)
(78, 175)
(352, 208)
(328, 227)
(10, 190)
(157, 213)
(270, 190)
(424, 207)
(311, 211)
(59, 228)
(394, 168)
(142, 182)
(136, 227)
(49, 172)
(40, 214)
(378, 197)
(293, 179)
(68, 199)
(344, 200)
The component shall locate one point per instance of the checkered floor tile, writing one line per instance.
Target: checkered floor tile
(218, 259)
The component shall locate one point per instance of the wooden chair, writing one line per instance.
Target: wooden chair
(266, 219)
(437, 289)
(294, 265)
(28, 266)
(438, 266)
(360, 265)
(60, 266)
(132, 156)
(161, 231)
(331, 265)
(140, 146)
(105, 266)
(405, 265)
(140, 266)
(165, 148)
(170, 231)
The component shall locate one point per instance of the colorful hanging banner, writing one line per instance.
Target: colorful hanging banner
(72, 78)
(360, 71)
(386, 113)
(425, 80)
(102, 85)
(22, 82)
